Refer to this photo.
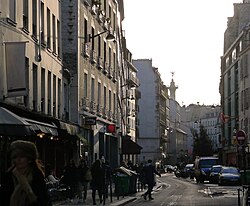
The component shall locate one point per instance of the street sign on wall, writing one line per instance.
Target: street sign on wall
(89, 120)
(241, 137)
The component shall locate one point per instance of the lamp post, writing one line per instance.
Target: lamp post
(109, 37)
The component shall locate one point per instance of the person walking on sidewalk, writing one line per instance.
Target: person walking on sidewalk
(70, 179)
(24, 184)
(84, 175)
(150, 171)
(98, 180)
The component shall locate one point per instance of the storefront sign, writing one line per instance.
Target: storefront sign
(89, 120)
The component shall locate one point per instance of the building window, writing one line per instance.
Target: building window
(99, 46)
(48, 29)
(59, 87)
(92, 89)
(105, 97)
(105, 52)
(49, 93)
(54, 95)
(85, 85)
(114, 102)
(35, 82)
(42, 23)
(93, 39)
(114, 59)
(34, 18)
(110, 56)
(25, 15)
(58, 38)
(43, 90)
(54, 32)
(110, 100)
(12, 14)
(99, 93)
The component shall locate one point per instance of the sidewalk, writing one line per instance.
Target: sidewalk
(114, 202)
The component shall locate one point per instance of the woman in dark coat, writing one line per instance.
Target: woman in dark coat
(24, 184)
(98, 180)
(150, 171)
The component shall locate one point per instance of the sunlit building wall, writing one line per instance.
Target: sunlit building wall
(234, 86)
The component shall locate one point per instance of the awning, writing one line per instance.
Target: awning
(42, 127)
(13, 125)
(181, 131)
(70, 128)
(130, 147)
(82, 138)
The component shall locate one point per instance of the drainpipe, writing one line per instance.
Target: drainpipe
(39, 57)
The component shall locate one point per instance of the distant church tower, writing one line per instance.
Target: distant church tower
(172, 88)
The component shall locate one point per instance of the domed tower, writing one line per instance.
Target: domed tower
(172, 88)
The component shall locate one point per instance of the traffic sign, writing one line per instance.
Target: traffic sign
(241, 137)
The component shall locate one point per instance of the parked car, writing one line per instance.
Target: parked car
(230, 176)
(202, 167)
(189, 170)
(169, 168)
(214, 173)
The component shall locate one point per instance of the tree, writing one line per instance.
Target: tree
(202, 144)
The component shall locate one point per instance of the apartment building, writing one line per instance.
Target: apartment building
(32, 75)
(234, 83)
(129, 109)
(152, 112)
(91, 57)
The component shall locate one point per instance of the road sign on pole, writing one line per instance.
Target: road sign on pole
(241, 137)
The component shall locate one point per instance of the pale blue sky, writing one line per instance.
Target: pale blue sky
(183, 36)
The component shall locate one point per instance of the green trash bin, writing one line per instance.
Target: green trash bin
(132, 184)
(245, 177)
(121, 185)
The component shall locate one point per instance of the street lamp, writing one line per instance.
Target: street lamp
(109, 37)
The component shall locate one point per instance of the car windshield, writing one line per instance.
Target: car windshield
(230, 170)
(206, 163)
(216, 169)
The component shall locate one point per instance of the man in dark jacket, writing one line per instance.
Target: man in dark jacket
(149, 172)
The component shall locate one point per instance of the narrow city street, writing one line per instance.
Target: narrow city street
(186, 192)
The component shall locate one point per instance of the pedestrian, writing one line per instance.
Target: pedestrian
(84, 175)
(52, 178)
(140, 171)
(70, 179)
(150, 171)
(98, 180)
(107, 176)
(24, 183)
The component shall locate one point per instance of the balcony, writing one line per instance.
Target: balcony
(85, 104)
(93, 58)
(86, 50)
(110, 115)
(104, 112)
(114, 76)
(99, 110)
(101, 16)
(132, 80)
(110, 73)
(100, 63)
(86, 3)
(92, 107)
(128, 128)
(94, 9)
(164, 93)
(105, 69)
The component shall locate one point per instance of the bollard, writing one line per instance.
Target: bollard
(239, 190)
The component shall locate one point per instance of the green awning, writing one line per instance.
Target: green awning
(82, 138)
